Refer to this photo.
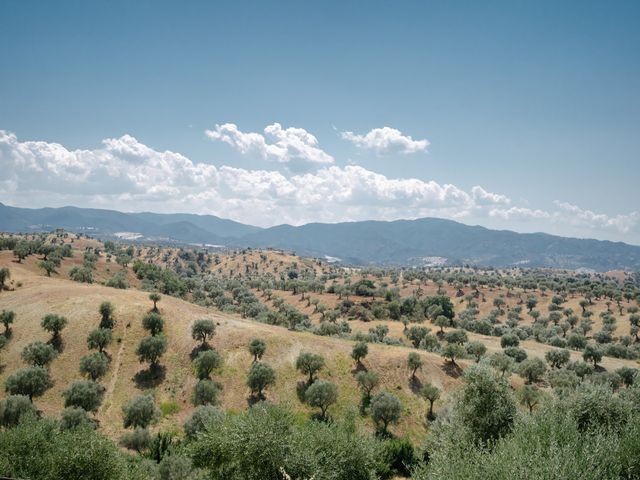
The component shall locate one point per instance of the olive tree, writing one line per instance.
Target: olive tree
(85, 394)
(367, 381)
(75, 417)
(431, 393)
(54, 324)
(140, 412)
(203, 330)
(153, 323)
(309, 364)
(206, 362)
(13, 408)
(532, 369)
(155, 298)
(38, 354)
(259, 378)
(557, 358)
(322, 395)
(529, 396)
(385, 410)
(257, 348)
(94, 365)
(151, 349)
(106, 315)
(414, 362)
(359, 352)
(100, 339)
(30, 381)
(592, 353)
(206, 392)
(5, 274)
(477, 349)
(7, 317)
(485, 405)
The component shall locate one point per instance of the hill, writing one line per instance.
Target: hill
(38, 295)
(402, 242)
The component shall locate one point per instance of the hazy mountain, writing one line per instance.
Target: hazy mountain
(402, 242)
(410, 241)
(186, 228)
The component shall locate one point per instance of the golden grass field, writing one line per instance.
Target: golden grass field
(33, 295)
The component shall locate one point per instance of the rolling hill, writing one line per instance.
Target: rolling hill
(401, 242)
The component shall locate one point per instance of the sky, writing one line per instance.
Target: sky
(515, 115)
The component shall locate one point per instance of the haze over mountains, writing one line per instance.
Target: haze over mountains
(402, 242)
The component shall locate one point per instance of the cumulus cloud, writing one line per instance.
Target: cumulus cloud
(586, 218)
(482, 197)
(386, 140)
(125, 174)
(279, 144)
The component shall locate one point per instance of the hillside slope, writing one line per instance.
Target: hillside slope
(39, 295)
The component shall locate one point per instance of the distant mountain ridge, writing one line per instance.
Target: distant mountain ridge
(400, 242)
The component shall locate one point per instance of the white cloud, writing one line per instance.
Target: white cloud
(482, 197)
(279, 144)
(586, 218)
(518, 213)
(386, 140)
(127, 175)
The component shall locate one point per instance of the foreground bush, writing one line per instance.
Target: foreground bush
(256, 444)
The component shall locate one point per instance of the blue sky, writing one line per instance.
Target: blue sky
(537, 103)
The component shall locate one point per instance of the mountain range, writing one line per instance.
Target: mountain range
(401, 242)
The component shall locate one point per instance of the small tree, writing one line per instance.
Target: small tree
(452, 351)
(485, 404)
(442, 321)
(385, 410)
(155, 298)
(322, 395)
(259, 378)
(38, 354)
(203, 330)
(509, 340)
(48, 266)
(13, 408)
(5, 274)
(85, 394)
(206, 362)
(477, 349)
(502, 363)
(153, 323)
(414, 362)
(431, 393)
(151, 349)
(140, 412)
(628, 375)
(257, 348)
(557, 358)
(359, 352)
(530, 396)
(367, 381)
(75, 417)
(94, 365)
(206, 392)
(7, 318)
(99, 338)
(54, 324)
(138, 440)
(532, 369)
(31, 381)
(592, 353)
(106, 315)
(309, 364)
